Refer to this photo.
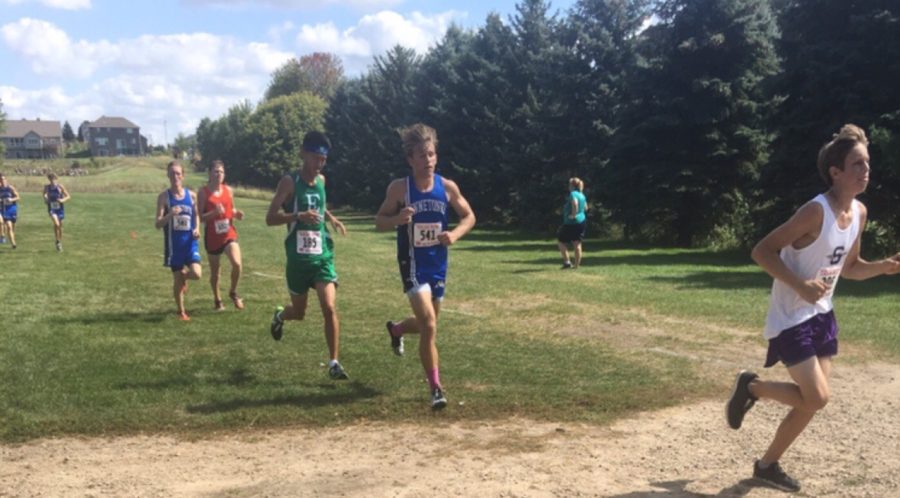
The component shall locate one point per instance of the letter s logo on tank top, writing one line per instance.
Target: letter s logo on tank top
(837, 255)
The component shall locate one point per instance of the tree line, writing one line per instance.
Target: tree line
(692, 122)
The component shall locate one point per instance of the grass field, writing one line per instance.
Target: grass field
(90, 343)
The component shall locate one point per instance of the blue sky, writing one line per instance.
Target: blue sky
(166, 64)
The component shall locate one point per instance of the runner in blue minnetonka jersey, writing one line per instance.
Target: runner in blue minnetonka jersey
(422, 257)
(9, 214)
(55, 195)
(176, 212)
(417, 207)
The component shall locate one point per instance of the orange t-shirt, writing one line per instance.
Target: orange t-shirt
(220, 229)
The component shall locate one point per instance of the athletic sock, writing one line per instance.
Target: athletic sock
(762, 465)
(332, 363)
(396, 331)
(434, 378)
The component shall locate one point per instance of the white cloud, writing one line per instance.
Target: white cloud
(168, 83)
(178, 78)
(374, 35)
(51, 51)
(57, 4)
(298, 4)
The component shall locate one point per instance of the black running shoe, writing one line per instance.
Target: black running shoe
(776, 477)
(336, 372)
(438, 401)
(396, 342)
(741, 399)
(566, 266)
(277, 327)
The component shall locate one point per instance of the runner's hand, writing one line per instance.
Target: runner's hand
(893, 265)
(238, 214)
(812, 290)
(338, 227)
(311, 217)
(447, 238)
(196, 233)
(220, 209)
(404, 216)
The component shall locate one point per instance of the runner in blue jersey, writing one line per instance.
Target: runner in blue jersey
(54, 196)
(417, 206)
(177, 214)
(9, 198)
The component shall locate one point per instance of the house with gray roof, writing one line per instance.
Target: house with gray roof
(32, 139)
(113, 136)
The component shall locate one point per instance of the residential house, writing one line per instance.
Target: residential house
(114, 136)
(37, 139)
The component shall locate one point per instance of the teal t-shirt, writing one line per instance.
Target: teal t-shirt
(567, 209)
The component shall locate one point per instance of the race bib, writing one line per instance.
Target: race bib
(426, 234)
(309, 242)
(828, 275)
(55, 205)
(181, 223)
(222, 226)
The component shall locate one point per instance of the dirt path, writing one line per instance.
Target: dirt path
(851, 449)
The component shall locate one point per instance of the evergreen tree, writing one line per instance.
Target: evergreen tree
(67, 134)
(693, 138)
(839, 67)
(363, 121)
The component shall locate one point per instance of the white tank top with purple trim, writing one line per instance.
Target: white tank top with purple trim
(821, 260)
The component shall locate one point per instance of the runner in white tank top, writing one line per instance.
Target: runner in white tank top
(805, 256)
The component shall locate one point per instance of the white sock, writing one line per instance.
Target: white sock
(332, 363)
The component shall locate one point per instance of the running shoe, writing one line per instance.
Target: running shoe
(217, 305)
(2, 240)
(566, 266)
(183, 316)
(236, 299)
(336, 372)
(776, 477)
(396, 342)
(741, 400)
(438, 401)
(277, 328)
(58, 246)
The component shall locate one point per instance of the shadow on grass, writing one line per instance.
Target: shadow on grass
(239, 377)
(337, 396)
(718, 280)
(118, 317)
(676, 489)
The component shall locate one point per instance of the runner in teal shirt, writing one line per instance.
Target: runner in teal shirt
(573, 227)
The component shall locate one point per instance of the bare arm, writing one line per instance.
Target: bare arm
(806, 223)
(463, 210)
(196, 232)
(237, 213)
(162, 218)
(573, 208)
(335, 223)
(65, 194)
(15, 194)
(392, 212)
(856, 268)
(201, 206)
(46, 196)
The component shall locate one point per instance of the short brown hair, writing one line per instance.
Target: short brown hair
(835, 152)
(415, 135)
(174, 163)
(217, 162)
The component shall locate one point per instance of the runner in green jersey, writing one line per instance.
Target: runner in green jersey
(299, 203)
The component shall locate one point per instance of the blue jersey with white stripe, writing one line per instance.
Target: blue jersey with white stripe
(417, 241)
(7, 208)
(179, 233)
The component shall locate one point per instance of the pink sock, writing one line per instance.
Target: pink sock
(434, 378)
(395, 330)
